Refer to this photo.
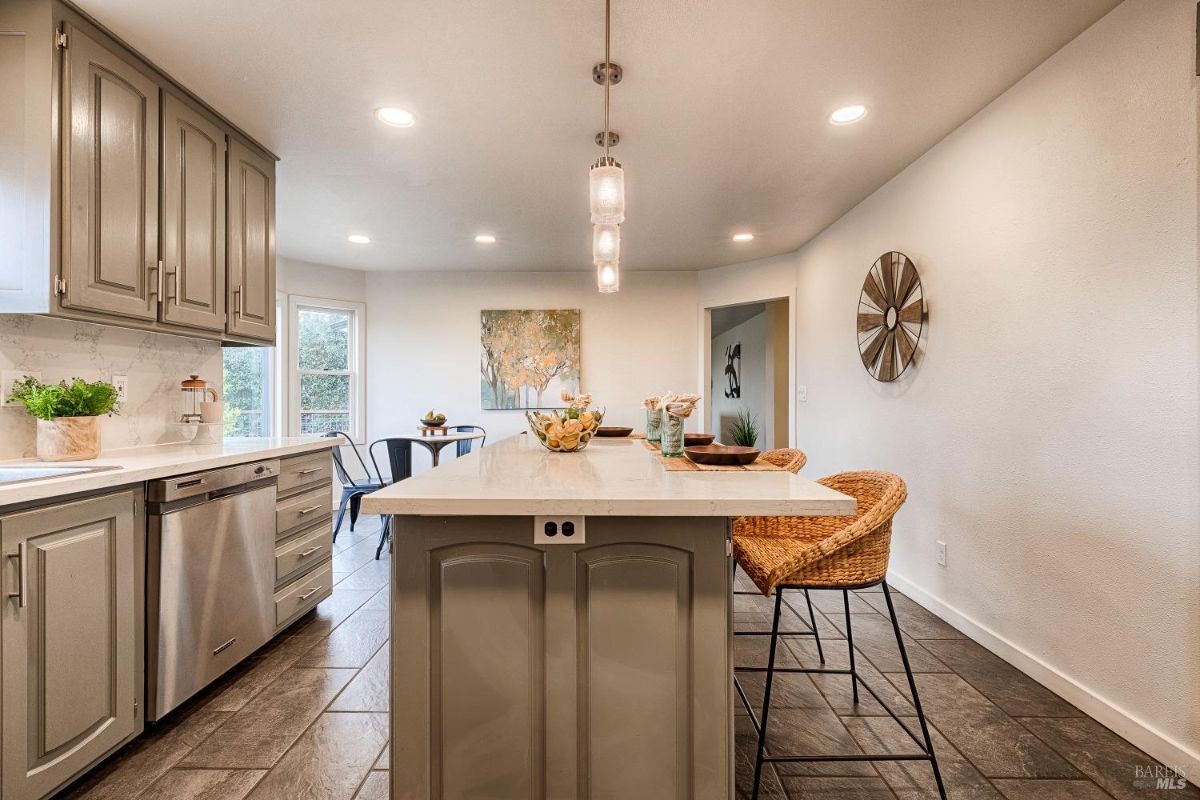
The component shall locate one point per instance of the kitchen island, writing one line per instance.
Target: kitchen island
(562, 624)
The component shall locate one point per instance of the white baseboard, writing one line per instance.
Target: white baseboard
(1124, 724)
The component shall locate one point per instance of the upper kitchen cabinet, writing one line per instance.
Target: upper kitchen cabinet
(128, 200)
(251, 243)
(193, 216)
(109, 170)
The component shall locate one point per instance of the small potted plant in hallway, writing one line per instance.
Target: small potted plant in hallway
(68, 415)
(744, 430)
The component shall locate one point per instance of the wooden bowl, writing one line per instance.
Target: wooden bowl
(433, 423)
(697, 439)
(613, 430)
(721, 455)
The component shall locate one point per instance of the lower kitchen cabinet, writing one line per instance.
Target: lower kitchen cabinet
(71, 639)
(595, 669)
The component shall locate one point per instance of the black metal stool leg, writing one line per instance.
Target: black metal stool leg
(762, 731)
(850, 645)
(912, 688)
(812, 620)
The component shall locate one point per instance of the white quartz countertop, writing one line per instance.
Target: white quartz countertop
(137, 464)
(612, 477)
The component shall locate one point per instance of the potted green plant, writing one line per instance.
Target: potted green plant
(68, 415)
(744, 430)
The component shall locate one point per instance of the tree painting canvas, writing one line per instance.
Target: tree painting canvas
(528, 357)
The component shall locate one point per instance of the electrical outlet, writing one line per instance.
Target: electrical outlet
(10, 376)
(802, 394)
(941, 554)
(121, 383)
(558, 530)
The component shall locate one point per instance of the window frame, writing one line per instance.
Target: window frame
(356, 361)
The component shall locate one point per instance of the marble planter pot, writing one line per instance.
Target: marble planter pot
(68, 438)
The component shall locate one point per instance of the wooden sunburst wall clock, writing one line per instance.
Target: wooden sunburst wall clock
(891, 316)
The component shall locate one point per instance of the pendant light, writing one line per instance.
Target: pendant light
(606, 243)
(608, 276)
(606, 180)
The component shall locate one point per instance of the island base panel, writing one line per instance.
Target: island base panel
(591, 671)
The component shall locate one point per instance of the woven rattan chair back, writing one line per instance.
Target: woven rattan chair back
(789, 458)
(825, 552)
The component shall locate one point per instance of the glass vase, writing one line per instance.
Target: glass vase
(653, 425)
(672, 435)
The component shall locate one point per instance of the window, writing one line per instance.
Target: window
(248, 391)
(325, 363)
(251, 376)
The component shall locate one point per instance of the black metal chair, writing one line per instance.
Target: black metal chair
(353, 488)
(464, 446)
(399, 455)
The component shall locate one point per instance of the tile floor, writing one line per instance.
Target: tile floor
(306, 718)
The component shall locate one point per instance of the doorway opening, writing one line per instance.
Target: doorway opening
(750, 361)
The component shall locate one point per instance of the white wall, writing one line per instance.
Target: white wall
(1049, 434)
(320, 280)
(423, 335)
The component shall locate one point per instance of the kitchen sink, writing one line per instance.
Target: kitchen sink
(36, 472)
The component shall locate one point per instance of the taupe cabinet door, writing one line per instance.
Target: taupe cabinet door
(251, 243)
(193, 217)
(68, 640)
(109, 181)
(597, 671)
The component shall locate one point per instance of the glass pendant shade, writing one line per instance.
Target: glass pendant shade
(607, 192)
(608, 276)
(606, 243)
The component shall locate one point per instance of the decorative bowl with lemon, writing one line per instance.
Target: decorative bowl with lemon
(567, 430)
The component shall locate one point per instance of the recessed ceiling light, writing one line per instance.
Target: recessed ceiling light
(485, 238)
(358, 238)
(396, 117)
(847, 115)
(743, 237)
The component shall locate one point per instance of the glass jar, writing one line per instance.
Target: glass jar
(653, 425)
(672, 435)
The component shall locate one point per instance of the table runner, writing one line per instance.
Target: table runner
(685, 464)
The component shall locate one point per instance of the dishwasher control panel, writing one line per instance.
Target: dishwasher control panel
(198, 483)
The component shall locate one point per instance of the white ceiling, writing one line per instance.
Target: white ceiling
(722, 113)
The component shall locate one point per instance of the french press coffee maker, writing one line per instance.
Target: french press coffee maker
(195, 392)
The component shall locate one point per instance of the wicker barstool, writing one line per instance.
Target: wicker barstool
(845, 553)
(793, 461)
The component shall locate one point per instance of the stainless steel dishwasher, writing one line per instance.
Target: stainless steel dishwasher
(209, 578)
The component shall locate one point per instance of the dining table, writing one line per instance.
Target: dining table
(434, 442)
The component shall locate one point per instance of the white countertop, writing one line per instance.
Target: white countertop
(137, 464)
(612, 477)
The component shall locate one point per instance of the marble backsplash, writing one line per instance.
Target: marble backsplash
(155, 363)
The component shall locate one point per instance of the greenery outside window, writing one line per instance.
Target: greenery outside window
(247, 391)
(325, 365)
(250, 389)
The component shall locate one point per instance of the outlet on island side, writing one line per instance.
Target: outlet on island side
(941, 554)
(565, 529)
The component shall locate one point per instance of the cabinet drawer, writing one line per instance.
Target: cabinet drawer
(303, 595)
(303, 509)
(303, 552)
(300, 472)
